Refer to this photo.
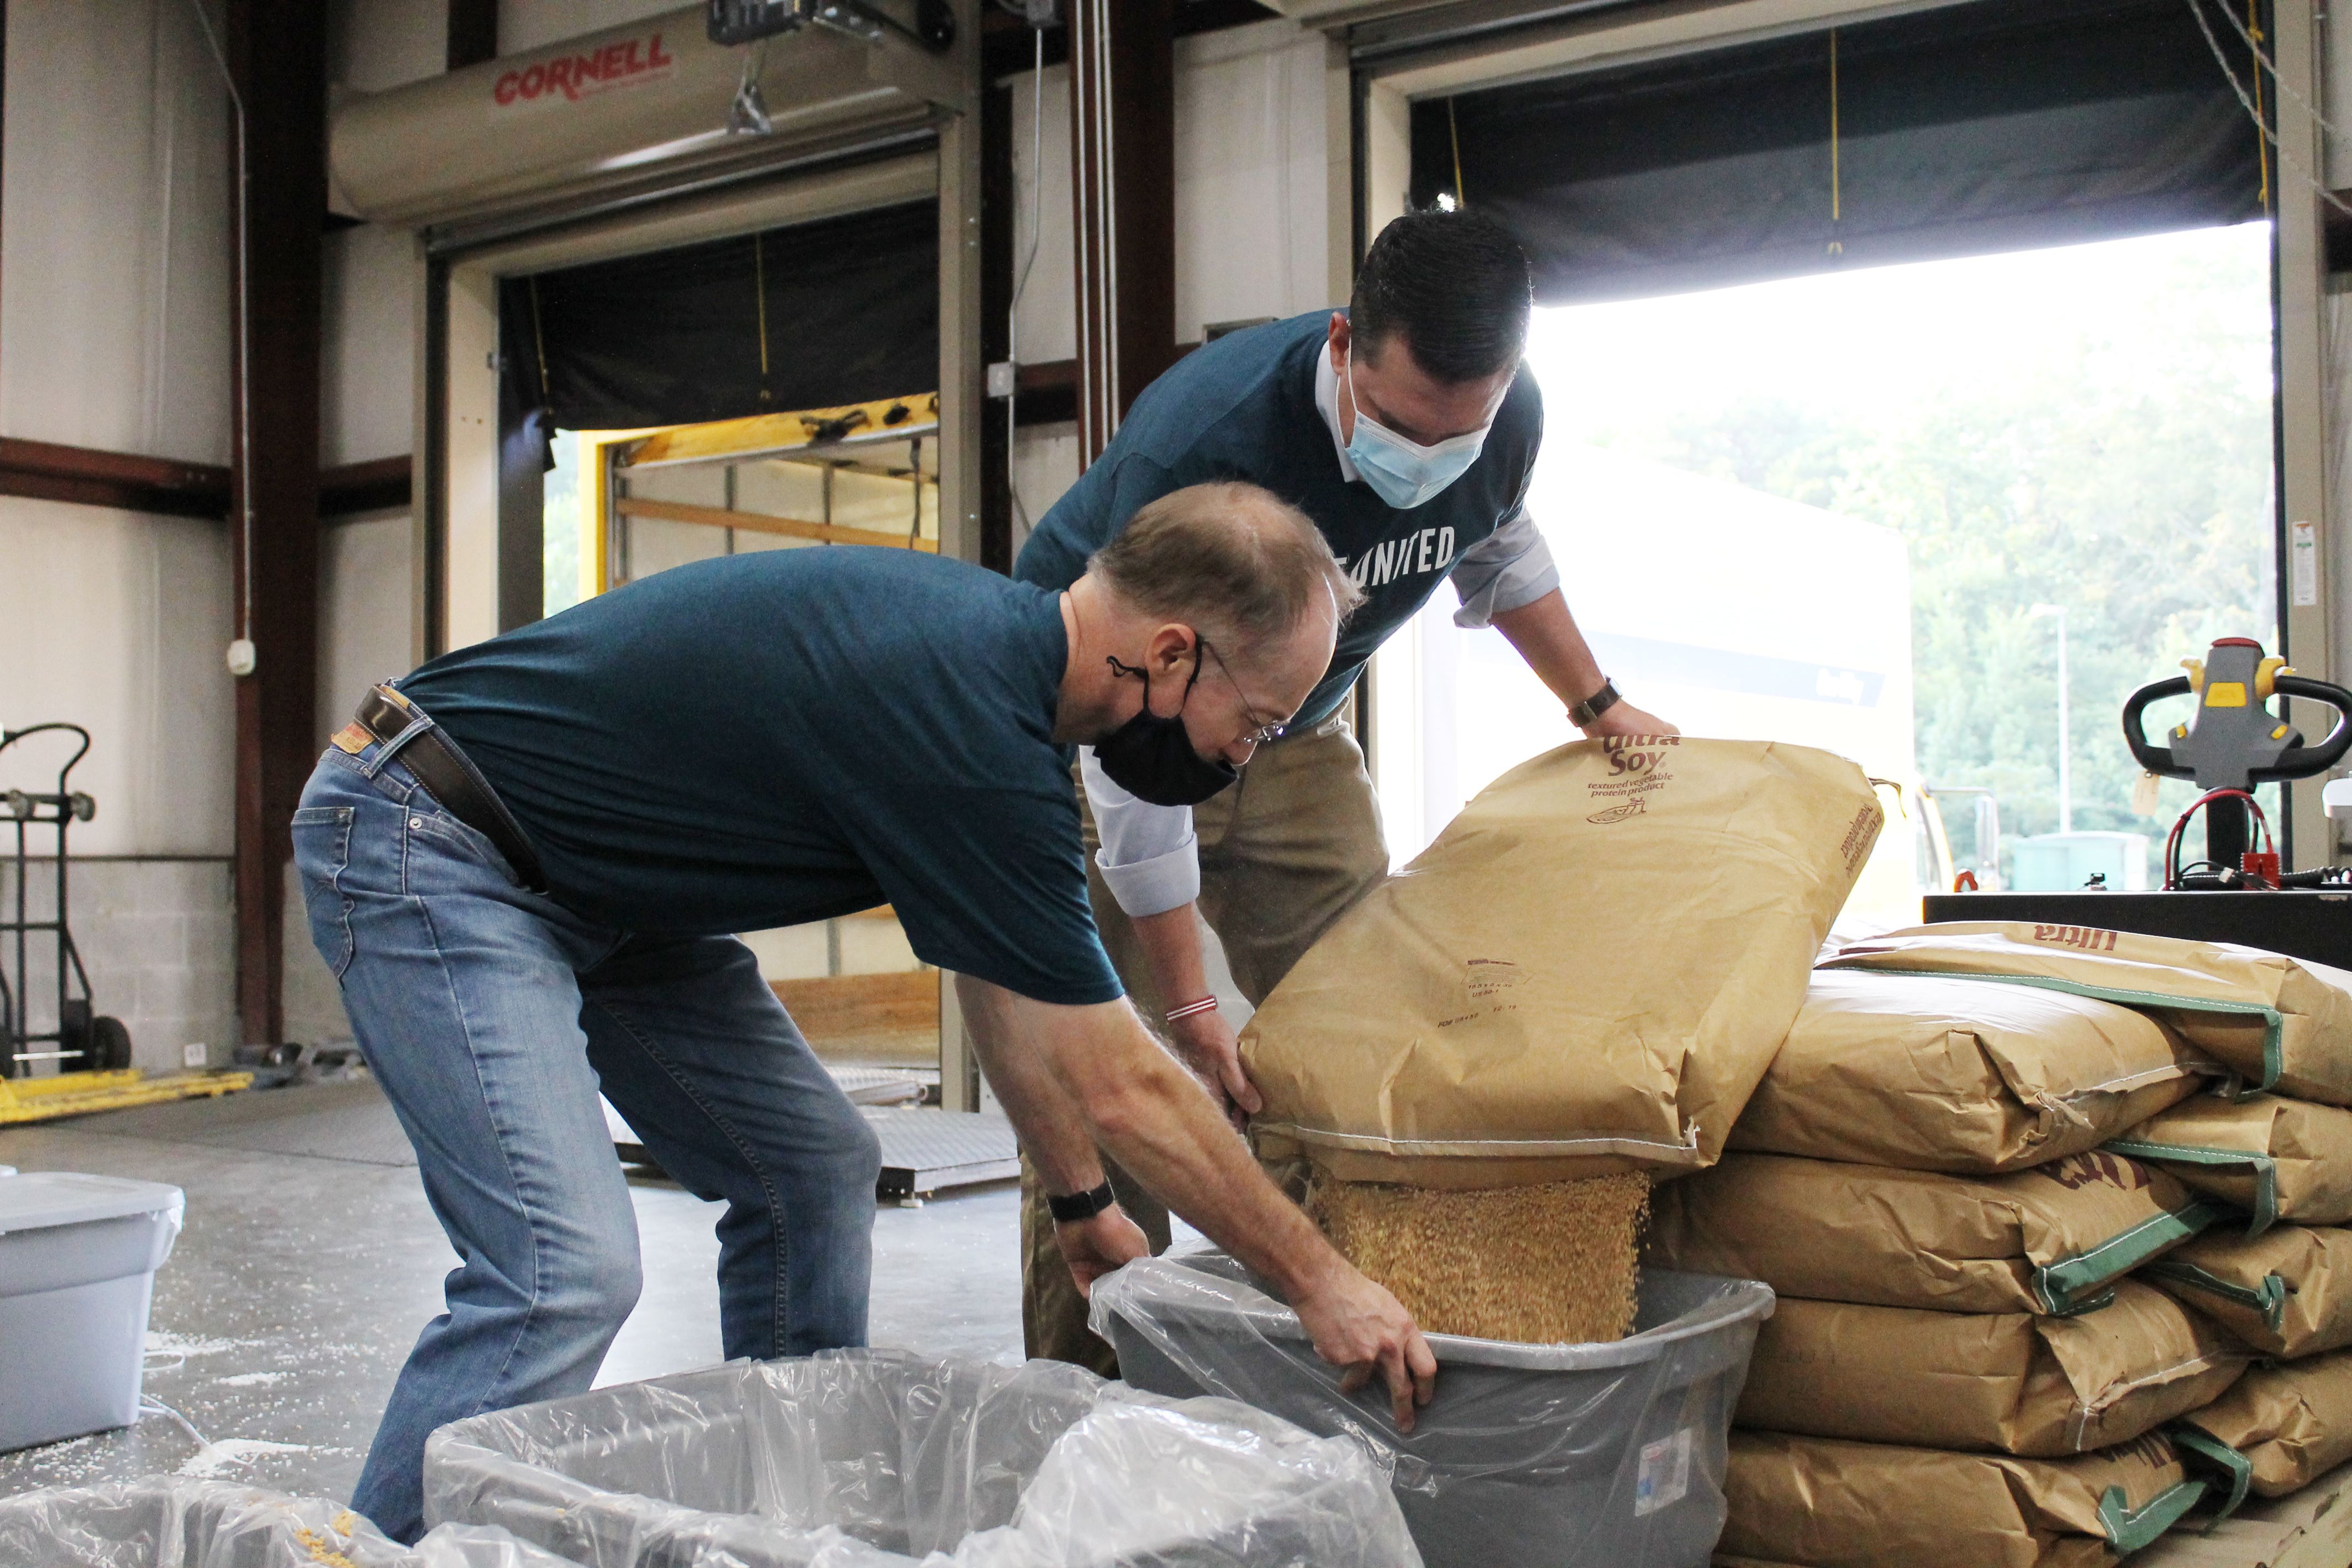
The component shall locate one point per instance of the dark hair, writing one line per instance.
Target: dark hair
(1452, 284)
(1236, 562)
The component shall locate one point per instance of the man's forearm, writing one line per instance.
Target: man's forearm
(1548, 637)
(1171, 940)
(1164, 1130)
(1134, 1099)
(1051, 1126)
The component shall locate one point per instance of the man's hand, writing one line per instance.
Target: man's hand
(1547, 636)
(1624, 718)
(1354, 1324)
(1207, 1044)
(1094, 1247)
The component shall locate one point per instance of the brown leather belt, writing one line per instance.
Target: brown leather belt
(384, 716)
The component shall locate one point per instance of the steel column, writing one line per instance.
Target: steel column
(1122, 141)
(277, 54)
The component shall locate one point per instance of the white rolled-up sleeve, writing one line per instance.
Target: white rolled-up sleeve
(1509, 568)
(1149, 855)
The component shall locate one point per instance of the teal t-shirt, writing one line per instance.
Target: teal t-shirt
(1244, 409)
(788, 735)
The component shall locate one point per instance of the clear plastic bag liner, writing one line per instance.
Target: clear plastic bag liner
(167, 1522)
(876, 1458)
(1611, 1453)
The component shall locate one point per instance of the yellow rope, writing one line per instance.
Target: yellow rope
(1455, 131)
(759, 284)
(1836, 205)
(2262, 147)
(538, 338)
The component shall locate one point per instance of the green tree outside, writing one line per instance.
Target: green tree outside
(2121, 468)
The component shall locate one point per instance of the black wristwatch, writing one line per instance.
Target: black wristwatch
(1593, 707)
(1079, 1207)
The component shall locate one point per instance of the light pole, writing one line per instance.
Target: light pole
(2066, 782)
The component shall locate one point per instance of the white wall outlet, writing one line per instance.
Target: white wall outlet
(196, 1054)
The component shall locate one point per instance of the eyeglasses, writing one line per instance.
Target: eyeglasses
(1260, 733)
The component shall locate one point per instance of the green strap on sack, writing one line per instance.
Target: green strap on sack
(2264, 1168)
(2234, 1468)
(2273, 1021)
(2128, 1530)
(2083, 1282)
(2269, 1297)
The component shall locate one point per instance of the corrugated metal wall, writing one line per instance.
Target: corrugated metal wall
(113, 333)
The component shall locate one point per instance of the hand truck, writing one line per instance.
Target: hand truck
(84, 1040)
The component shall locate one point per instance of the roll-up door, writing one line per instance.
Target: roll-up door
(1966, 129)
(815, 315)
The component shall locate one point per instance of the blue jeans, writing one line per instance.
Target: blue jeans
(492, 1017)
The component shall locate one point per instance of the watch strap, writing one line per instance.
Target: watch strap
(1594, 706)
(1075, 1206)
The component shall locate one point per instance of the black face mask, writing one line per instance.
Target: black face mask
(1152, 758)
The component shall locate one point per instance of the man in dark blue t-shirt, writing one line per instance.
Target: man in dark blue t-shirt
(1407, 429)
(523, 861)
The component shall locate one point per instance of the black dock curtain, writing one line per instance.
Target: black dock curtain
(815, 315)
(1972, 128)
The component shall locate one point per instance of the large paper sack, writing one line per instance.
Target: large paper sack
(1586, 973)
(2280, 1023)
(1831, 1504)
(2294, 1421)
(2008, 1382)
(2287, 1292)
(1940, 1073)
(2276, 1159)
(2051, 1239)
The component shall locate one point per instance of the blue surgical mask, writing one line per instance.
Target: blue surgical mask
(1405, 473)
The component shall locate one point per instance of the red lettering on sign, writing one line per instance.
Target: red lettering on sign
(576, 74)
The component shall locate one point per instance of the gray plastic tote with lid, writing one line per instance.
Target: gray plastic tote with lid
(1608, 1455)
(165, 1521)
(881, 1459)
(77, 1261)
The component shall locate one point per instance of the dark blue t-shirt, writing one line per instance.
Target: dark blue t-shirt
(789, 735)
(1244, 409)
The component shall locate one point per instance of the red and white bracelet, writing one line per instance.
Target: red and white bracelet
(1205, 1004)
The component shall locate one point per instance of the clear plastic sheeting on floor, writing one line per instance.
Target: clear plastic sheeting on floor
(1530, 1454)
(168, 1522)
(870, 1459)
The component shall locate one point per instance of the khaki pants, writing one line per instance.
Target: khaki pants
(1284, 853)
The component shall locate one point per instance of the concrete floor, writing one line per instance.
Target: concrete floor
(301, 1281)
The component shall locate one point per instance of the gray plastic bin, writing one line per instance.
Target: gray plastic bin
(164, 1522)
(77, 1261)
(1600, 1455)
(877, 1459)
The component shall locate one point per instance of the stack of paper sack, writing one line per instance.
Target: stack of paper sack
(2045, 1210)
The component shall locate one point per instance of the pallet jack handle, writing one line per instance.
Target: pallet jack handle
(2295, 763)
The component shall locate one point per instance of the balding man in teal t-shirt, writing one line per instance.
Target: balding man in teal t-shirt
(1407, 430)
